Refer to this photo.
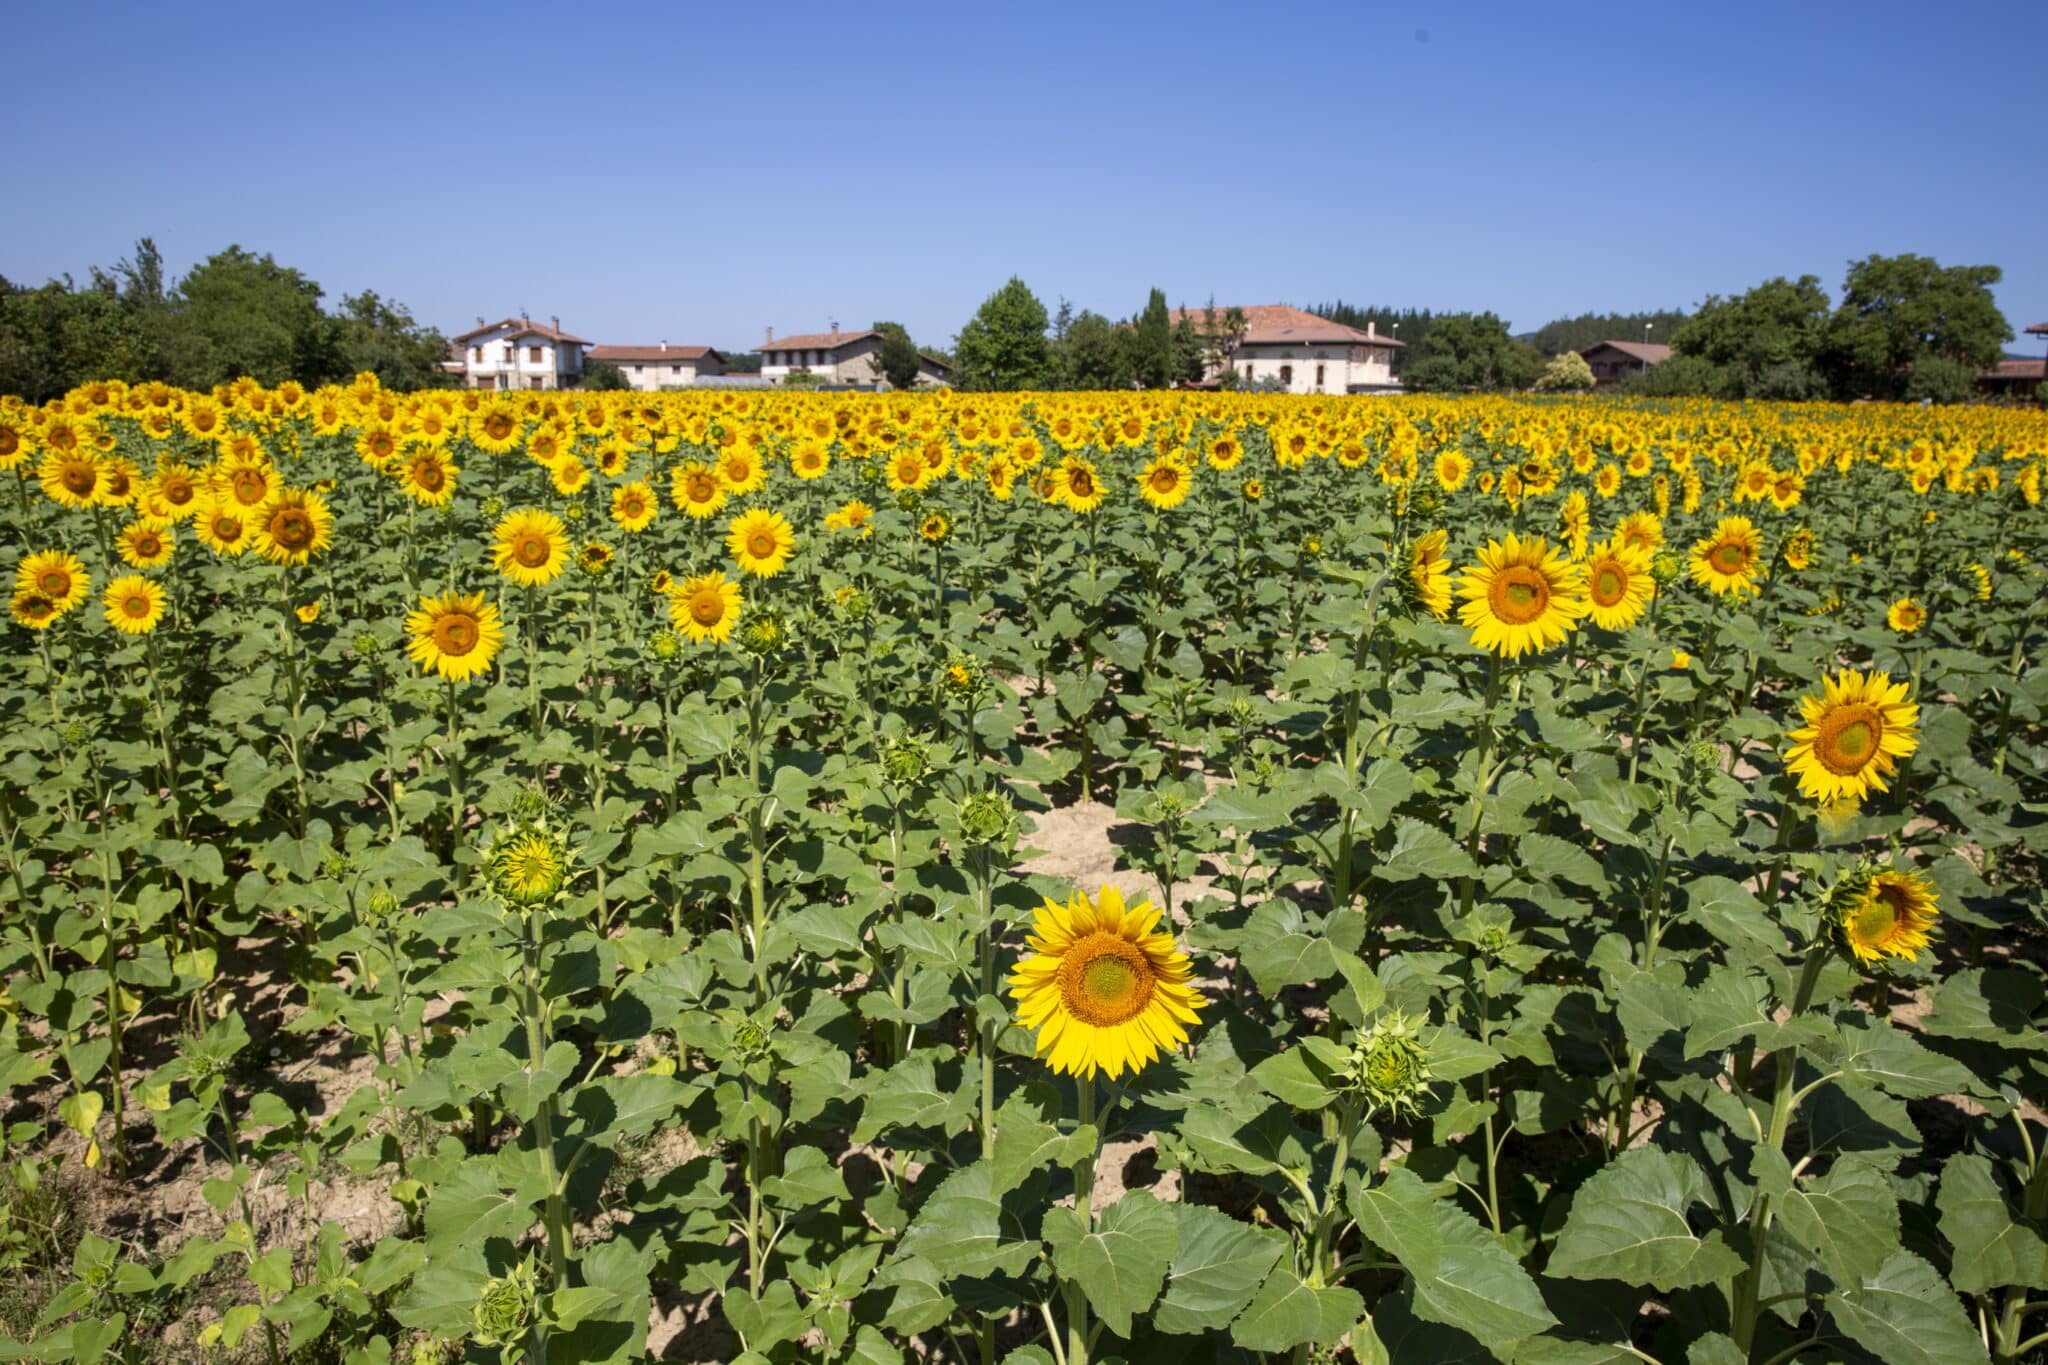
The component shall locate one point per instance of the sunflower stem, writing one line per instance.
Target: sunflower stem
(454, 762)
(1084, 1209)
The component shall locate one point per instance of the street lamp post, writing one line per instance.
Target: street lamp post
(1646, 345)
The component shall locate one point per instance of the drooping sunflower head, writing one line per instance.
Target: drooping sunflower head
(595, 559)
(1522, 597)
(1428, 585)
(1618, 585)
(1880, 913)
(760, 542)
(456, 635)
(1102, 988)
(1728, 560)
(134, 604)
(1855, 731)
(706, 607)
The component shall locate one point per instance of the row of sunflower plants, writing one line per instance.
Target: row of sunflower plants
(1578, 888)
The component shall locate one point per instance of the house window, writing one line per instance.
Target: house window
(537, 382)
(675, 369)
(1319, 376)
(1247, 369)
(510, 352)
(533, 354)
(1287, 374)
(476, 353)
(636, 369)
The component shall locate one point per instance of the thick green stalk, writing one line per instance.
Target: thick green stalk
(1084, 1209)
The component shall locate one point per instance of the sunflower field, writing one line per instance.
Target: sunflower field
(1049, 879)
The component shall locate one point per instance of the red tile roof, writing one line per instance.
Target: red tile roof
(524, 327)
(1273, 324)
(815, 341)
(617, 353)
(2016, 369)
(2038, 329)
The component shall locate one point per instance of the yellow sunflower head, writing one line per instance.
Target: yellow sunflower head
(634, 506)
(530, 547)
(760, 541)
(1522, 597)
(1854, 733)
(134, 604)
(1102, 988)
(1429, 574)
(1618, 585)
(706, 607)
(456, 635)
(1905, 616)
(57, 574)
(292, 527)
(1728, 560)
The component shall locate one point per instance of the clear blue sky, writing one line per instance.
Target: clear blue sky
(696, 173)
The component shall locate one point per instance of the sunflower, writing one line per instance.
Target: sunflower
(530, 547)
(854, 516)
(1798, 551)
(1607, 481)
(1905, 616)
(1727, 560)
(222, 528)
(1618, 585)
(695, 489)
(57, 575)
(34, 609)
(1641, 531)
(178, 488)
(307, 612)
(1451, 467)
(570, 474)
(1429, 574)
(292, 527)
(706, 607)
(1254, 489)
(935, 528)
(70, 478)
(134, 604)
(1523, 596)
(1575, 524)
(248, 482)
(1076, 486)
(496, 428)
(455, 636)
(143, 545)
(1225, 451)
(1164, 483)
(427, 476)
(741, 470)
(1854, 730)
(760, 541)
(907, 470)
(809, 460)
(1888, 914)
(1102, 989)
(634, 506)
(377, 445)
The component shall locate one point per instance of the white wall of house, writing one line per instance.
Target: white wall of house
(501, 360)
(1331, 368)
(650, 375)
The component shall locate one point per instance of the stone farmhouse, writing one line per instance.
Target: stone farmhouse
(516, 353)
(648, 368)
(1303, 353)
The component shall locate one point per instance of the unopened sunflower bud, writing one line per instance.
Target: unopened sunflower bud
(1390, 1066)
(664, 645)
(573, 512)
(1242, 712)
(383, 905)
(334, 865)
(493, 508)
(986, 819)
(1426, 502)
(763, 632)
(505, 1308)
(527, 864)
(850, 603)
(595, 560)
(963, 677)
(750, 1039)
(1665, 569)
(905, 760)
(364, 645)
(77, 735)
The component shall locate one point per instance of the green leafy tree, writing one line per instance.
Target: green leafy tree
(1473, 351)
(1190, 350)
(1776, 329)
(899, 357)
(1896, 310)
(1564, 372)
(1590, 329)
(238, 313)
(1152, 346)
(602, 374)
(1095, 353)
(1686, 376)
(1004, 346)
(377, 334)
(1941, 379)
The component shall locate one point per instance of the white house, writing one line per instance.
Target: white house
(1302, 352)
(518, 353)
(663, 366)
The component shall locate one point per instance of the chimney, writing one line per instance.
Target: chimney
(771, 337)
(480, 320)
(555, 323)
(835, 329)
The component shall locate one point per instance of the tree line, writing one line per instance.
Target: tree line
(236, 313)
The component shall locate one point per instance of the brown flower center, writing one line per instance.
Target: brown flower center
(1849, 738)
(761, 544)
(456, 633)
(1729, 557)
(1609, 585)
(293, 528)
(531, 550)
(707, 607)
(1519, 594)
(1105, 980)
(54, 581)
(80, 479)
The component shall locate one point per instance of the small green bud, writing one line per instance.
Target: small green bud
(364, 645)
(1664, 569)
(493, 508)
(905, 760)
(987, 818)
(763, 632)
(505, 1308)
(1391, 1065)
(573, 512)
(527, 863)
(664, 645)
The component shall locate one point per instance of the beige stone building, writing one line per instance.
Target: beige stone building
(834, 357)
